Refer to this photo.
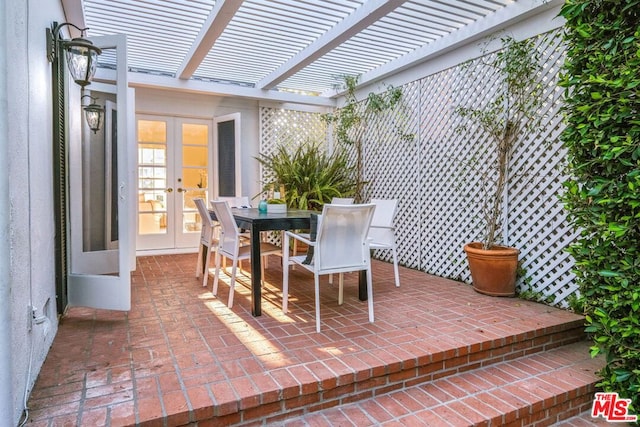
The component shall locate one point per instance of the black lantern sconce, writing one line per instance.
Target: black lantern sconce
(93, 113)
(82, 55)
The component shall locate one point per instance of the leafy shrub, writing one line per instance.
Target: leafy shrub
(602, 136)
(310, 175)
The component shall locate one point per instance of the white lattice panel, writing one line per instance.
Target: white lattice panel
(434, 180)
(448, 199)
(387, 155)
(290, 128)
(538, 225)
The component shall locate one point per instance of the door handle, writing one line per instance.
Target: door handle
(169, 190)
(180, 190)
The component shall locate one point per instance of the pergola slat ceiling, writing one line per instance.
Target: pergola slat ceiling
(303, 46)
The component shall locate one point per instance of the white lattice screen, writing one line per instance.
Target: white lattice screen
(439, 194)
(289, 128)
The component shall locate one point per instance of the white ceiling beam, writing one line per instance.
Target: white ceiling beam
(361, 18)
(502, 18)
(217, 21)
(138, 80)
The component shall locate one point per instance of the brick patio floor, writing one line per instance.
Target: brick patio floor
(180, 351)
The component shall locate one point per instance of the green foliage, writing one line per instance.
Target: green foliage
(350, 121)
(310, 175)
(276, 201)
(576, 303)
(602, 82)
(507, 117)
(537, 296)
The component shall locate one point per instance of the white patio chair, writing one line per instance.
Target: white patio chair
(341, 245)
(229, 245)
(342, 201)
(238, 202)
(208, 239)
(245, 236)
(334, 201)
(382, 231)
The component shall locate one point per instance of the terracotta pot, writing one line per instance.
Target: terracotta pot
(493, 271)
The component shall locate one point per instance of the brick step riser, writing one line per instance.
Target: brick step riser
(339, 391)
(537, 390)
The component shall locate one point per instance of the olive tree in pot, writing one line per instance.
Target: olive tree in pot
(507, 118)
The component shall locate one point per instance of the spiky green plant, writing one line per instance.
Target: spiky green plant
(311, 175)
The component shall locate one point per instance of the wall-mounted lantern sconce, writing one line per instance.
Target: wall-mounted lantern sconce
(82, 55)
(93, 113)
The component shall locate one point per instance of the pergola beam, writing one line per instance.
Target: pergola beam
(217, 21)
(367, 14)
(503, 18)
(139, 80)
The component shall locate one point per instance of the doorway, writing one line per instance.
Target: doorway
(173, 169)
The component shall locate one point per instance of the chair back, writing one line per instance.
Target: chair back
(208, 225)
(383, 218)
(342, 201)
(229, 233)
(341, 241)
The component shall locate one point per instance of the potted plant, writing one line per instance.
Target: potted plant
(276, 204)
(508, 117)
(308, 176)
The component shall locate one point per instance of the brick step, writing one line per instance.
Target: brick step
(539, 389)
(326, 386)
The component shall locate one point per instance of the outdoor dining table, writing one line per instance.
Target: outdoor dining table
(255, 221)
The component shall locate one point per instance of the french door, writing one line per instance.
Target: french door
(99, 193)
(173, 169)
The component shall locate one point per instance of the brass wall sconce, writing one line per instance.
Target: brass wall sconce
(92, 113)
(82, 55)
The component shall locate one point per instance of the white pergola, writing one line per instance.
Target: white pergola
(288, 50)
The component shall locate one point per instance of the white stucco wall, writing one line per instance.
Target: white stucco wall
(6, 395)
(29, 144)
(169, 103)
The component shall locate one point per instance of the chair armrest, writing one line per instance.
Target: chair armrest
(304, 239)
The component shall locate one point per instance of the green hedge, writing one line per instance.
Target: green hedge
(602, 88)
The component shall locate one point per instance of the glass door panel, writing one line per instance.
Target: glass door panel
(154, 191)
(193, 180)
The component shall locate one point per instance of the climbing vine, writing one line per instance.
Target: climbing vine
(355, 117)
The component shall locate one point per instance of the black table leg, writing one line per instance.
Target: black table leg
(256, 279)
(362, 285)
(205, 254)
